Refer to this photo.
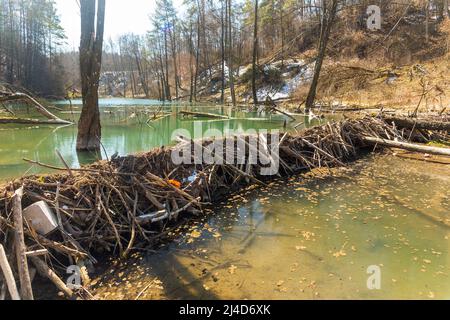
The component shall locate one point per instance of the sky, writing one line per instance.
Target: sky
(122, 16)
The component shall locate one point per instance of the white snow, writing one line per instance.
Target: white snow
(290, 83)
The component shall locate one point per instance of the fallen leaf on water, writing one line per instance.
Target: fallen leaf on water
(341, 253)
(196, 234)
(232, 269)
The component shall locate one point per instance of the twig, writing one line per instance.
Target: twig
(8, 274)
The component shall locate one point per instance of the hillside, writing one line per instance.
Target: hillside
(397, 67)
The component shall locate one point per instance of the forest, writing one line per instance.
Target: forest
(202, 49)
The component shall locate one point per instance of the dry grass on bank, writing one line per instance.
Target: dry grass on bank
(365, 83)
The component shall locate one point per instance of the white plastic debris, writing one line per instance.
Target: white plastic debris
(40, 217)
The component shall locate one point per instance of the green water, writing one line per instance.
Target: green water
(124, 130)
(308, 238)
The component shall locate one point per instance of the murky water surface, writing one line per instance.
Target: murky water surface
(309, 238)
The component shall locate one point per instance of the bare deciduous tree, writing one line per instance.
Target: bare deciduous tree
(328, 16)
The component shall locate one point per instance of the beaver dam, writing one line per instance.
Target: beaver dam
(116, 207)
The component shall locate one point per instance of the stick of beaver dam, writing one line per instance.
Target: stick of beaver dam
(19, 239)
(8, 274)
(44, 270)
(408, 146)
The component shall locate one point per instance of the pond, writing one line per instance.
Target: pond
(124, 131)
(310, 237)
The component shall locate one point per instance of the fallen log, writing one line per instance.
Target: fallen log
(39, 107)
(8, 275)
(419, 124)
(407, 146)
(204, 115)
(31, 121)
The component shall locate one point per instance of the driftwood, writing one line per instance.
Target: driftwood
(31, 121)
(408, 146)
(203, 115)
(20, 247)
(8, 275)
(419, 124)
(15, 96)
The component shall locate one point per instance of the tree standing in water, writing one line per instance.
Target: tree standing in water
(91, 46)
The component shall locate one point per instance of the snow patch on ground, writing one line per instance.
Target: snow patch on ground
(297, 73)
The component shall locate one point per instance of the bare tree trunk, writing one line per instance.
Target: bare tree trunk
(329, 15)
(197, 54)
(230, 54)
(222, 49)
(166, 62)
(91, 46)
(172, 35)
(427, 21)
(144, 84)
(255, 54)
(191, 67)
(282, 33)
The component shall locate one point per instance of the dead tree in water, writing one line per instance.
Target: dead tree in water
(91, 44)
(329, 14)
